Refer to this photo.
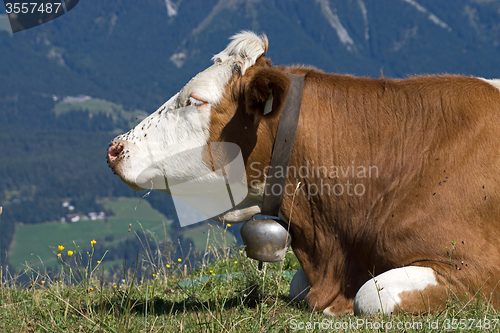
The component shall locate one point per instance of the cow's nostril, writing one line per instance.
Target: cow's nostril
(114, 151)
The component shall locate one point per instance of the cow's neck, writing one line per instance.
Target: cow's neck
(281, 135)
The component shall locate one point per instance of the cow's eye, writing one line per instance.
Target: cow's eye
(194, 101)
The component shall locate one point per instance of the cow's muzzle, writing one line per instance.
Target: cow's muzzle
(114, 151)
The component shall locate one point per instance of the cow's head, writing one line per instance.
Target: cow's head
(224, 103)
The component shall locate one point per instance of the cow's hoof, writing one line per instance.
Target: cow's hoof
(299, 287)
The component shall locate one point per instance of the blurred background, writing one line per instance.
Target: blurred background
(69, 86)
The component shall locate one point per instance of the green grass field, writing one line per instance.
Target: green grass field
(216, 232)
(227, 294)
(37, 243)
(33, 243)
(95, 106)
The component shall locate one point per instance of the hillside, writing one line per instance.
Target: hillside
(139, 54)
(128, 57)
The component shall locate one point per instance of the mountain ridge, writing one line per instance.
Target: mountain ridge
(138, 54)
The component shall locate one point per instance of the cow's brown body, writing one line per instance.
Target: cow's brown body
(433, 196)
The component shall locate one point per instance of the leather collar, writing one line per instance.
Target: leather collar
(282, 148)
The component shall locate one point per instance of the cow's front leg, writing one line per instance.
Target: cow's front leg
(300, 290)
(411, 289)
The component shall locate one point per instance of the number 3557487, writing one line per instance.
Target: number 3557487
(33, 7)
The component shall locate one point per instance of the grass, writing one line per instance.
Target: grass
(217, 289)
(223, 292)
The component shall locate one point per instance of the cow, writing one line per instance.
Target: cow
(393, 196)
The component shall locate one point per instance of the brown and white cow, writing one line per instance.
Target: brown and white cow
(395, 203)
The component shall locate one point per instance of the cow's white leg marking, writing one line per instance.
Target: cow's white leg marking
(299, 287)
(381, 294)
(329, 312)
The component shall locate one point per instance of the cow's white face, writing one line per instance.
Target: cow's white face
(165, 148)
(155, 147)
(150, 150)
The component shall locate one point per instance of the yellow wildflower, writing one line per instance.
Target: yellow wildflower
(59, 255)
(60, 247)
(168, 266)
(228, 225)
(43, 282)
(70, 253)
(179, 260)
(92, 242)
(98, 261)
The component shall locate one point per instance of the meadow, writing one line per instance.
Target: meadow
(95, 106)
(35, 243)
(217, 289)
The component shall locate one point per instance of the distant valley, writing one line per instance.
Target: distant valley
(69, 86)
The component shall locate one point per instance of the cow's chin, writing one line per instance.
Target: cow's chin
(148, 179)
(133, 186)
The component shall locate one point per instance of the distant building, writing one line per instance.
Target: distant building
(73, 217)
(97, 216)
(75, 99)
(92, 216)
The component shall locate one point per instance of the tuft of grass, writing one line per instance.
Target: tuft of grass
(216, 290)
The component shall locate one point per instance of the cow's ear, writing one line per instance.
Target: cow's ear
(265, 90)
